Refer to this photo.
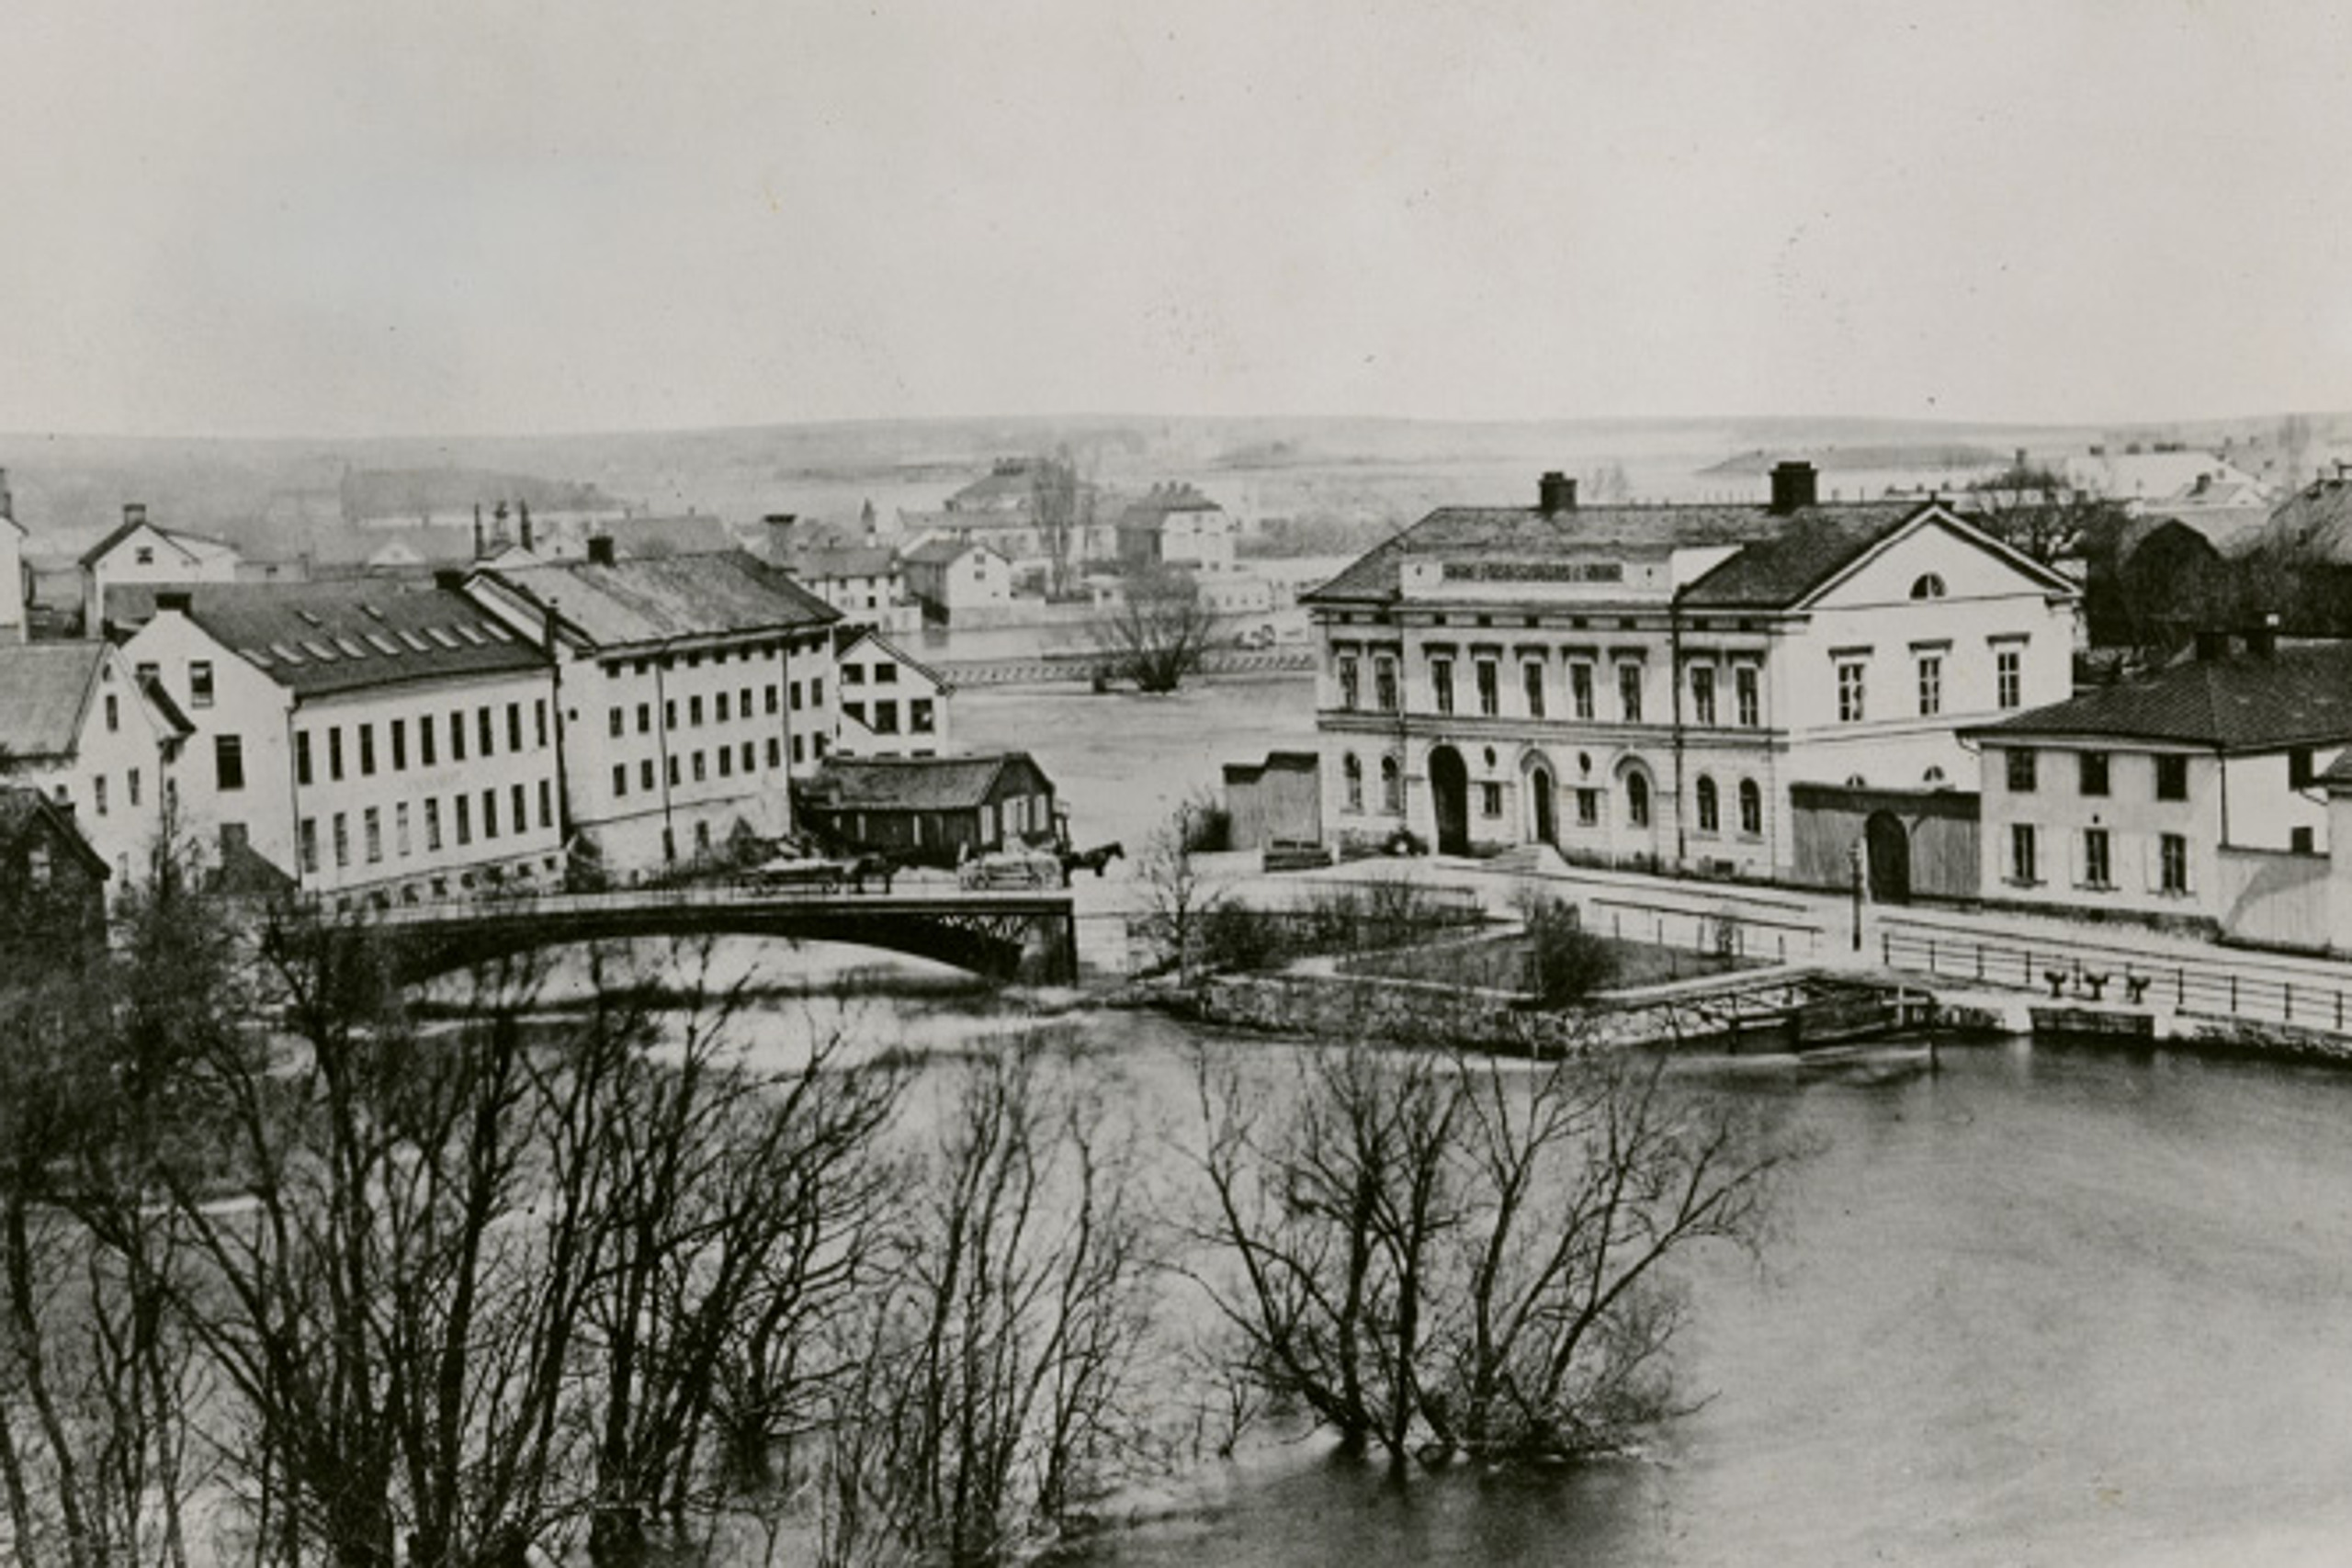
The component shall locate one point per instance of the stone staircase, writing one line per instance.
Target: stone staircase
(1528, 859)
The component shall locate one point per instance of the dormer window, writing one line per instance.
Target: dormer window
(1929, 586)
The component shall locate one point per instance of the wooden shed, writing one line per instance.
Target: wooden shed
(931, 810)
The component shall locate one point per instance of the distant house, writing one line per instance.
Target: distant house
(938, 809)
(78, 724)
(2160, 478)
(1176, 525)
(863, 581)
(52, 885)
(651, 539)
(951, 574)
(892, 704)
(139, 552)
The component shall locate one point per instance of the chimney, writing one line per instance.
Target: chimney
(599, 550)
(525, 507)
(1793, 487)
(2212, 645)
(1555, 492)
(134, 512)
(2262, 642)
(479, 551)
(174, 602)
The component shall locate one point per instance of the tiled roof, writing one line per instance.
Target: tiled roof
(839, 560)
(315, 638)
(1775, 572)
(939, 552)
(1150, 512)
(912, 783)
(2301, 695)
(688, 535)
(1529, 533)
(44, 691)
(661, 599)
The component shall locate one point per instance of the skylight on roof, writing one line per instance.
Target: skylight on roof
(441, 635)
(284, 654)
(498, 630)
(470, 634)
(311, 617)
(257, 656)
(319, 651)
(383, 644)
(350, 648)
(371, 612)
(416, 642)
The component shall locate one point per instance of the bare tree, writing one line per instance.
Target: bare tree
(2035, 511)
(1182, 900)
(1159, 633)
(1063, 505)
(997, 1396)
(1434, 1255)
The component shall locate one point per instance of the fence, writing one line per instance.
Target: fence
(2084, 972)
(1703, 930)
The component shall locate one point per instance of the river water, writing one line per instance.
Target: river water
(2041, 1306)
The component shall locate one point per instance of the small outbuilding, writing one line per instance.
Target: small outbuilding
(931, 810)
(52, 885)
(1278, 801)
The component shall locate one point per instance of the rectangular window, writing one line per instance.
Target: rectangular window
(726, 761)
(302, 757)
(1629, 693)
(1531, 681)
(694, 710)
(724, 708)
(800, 753)
(1352, 780)
(673, 773)
(432, 824)
(2021, 861)
(701, 772)
(795, 697)
(519, 799)
(1587, 808)
(920, 718)
(2301, 768)
(424, 742)
(615, 723)
(2008, 677)
(367, 751)
(645, 718)
(514, 727)
(620, 779)
(114, 712)
(228, 763)
(772, 700)
(2172, 856)
(1491, 800)
(371, 828)
(1384, 684)
(886, 718)
(1581, 689)
(307, 835)
(399, 829)
(775, 752)
(1703, 694)
(200, 684)
(1746, 693)
(2302, 840)
(2096, 863)
(335, 752)
(547, 804)
(1932, 685)
(2094, 773)
(1489, 697)
(853, 674)
(458, 736)
(2172, 778)
(645, 773)
(399, 745)
(489, 814)
(816, 691)
(98, 793)
(1850, 692)
(668, 713)
(342, 840)
(1442, 683)
(464, 810)
(486, 737)
(539, 717)
(2020, 771)
(131, 780)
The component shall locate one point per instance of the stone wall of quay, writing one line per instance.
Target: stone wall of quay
(1350, 1008)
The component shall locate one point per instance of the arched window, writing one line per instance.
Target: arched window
(1637, 799)
(1351, 771)
(1936, 777)
(1929, 586)
(1391, 786)
(1710, 808)
(1751, 808)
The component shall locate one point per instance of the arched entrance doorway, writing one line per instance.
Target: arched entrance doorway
(1542, 800)
(1888, 846)
(1450, 797)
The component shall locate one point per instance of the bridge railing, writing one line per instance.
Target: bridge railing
(2074, 972)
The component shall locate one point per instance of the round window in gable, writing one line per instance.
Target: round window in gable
(1929, 586)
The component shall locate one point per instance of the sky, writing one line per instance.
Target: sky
(244, 217)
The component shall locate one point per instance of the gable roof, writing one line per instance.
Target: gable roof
(1819, 548)
(914, 784)
(823, 561)
(939, 552)
(317, 638)
(45, 691)
(846, 636)
(196, 546)
(665, 598)
(1151, 511)
(21, 806)
(2301, 695)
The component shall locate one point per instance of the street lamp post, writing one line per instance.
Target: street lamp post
(1854, 856)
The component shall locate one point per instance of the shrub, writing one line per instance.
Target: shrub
(1566, 963)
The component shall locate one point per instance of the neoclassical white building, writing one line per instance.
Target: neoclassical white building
(1642, 684)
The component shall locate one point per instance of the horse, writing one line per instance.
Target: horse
(872, 864)
(1093, 860)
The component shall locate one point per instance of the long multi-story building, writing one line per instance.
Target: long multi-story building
(692, 689)
(1642, 684)
(385, 740)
